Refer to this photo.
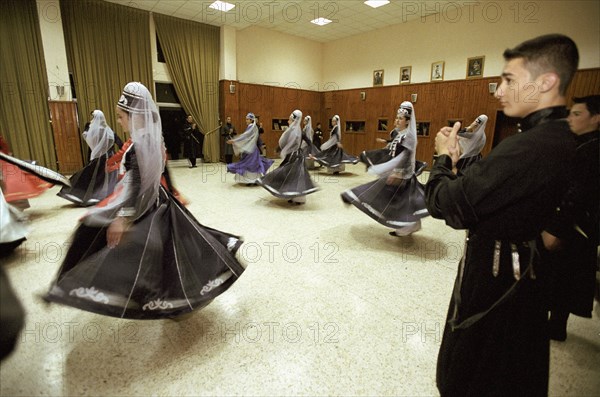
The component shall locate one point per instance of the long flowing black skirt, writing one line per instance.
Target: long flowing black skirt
(334, 157)
(392, 206)
(377, 156)
(291, 179)
(167, 264)
(91, 184)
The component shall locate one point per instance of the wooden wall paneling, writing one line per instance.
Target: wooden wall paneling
(436, 102)
(228, 106)
(67, 141)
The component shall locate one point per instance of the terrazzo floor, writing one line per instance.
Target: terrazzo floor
(330, 305)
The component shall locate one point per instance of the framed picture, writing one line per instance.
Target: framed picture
(437, 71)
(423, 128)
(378, 78)
(475, 67)
(405, 72)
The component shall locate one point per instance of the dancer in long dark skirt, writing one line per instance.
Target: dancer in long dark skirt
(94, 182)
(396, 199)
(140, 254)
(291, 179)
(378, 156)
(332, 153)
(309, 148)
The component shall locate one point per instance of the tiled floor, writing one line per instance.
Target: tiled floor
(330, 304)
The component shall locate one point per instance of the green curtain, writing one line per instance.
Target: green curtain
(191, 52)
(24, 114)
(108, 45)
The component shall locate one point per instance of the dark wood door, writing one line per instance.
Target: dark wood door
(67, 141)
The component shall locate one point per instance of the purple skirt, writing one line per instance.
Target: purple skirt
(250, 162)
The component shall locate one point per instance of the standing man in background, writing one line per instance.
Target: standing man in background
(192, 144)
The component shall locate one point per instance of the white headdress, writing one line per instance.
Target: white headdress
(99, 137)
(246, 143)
(308, 130)
(335, 134)
(408, 140)
(146, 133)
(290, 139)
(471, 143)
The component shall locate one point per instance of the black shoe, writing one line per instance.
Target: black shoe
(290, 201)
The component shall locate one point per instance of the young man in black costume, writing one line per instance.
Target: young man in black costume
(496, 337)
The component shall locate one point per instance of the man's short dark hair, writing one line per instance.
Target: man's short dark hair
(549, 53)
(592, 103)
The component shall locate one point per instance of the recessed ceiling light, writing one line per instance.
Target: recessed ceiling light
(376, 3)
(321, 21)
(222, 6)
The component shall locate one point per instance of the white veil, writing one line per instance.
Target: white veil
(471, 143)
(99, 137)
(146, 133)
(290, 139)
(406, 138)
(308, 130)
(246, 143)
(333, 139)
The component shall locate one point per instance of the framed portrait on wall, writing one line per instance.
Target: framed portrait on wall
(475, 67)
(437, 71)
(378, 78)
(423, 128)
(405, 72)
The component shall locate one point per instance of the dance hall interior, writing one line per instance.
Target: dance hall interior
(325, 301)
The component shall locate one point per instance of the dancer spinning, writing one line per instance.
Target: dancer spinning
(471, 141)
(308, 147)
(94, 182)
(140, 254)
(378, 156)
(396, 199)
(291, 179)
(333, 155)
(18, 186)
(251, 165)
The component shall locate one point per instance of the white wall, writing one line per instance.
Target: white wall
(55, 53)
(457, 34)
(257, 55)
(272, 58)
(228, 53)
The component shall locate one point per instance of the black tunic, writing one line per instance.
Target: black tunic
(576, 224)
(495, 341)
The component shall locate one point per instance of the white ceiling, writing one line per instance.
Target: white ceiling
(350, 17)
